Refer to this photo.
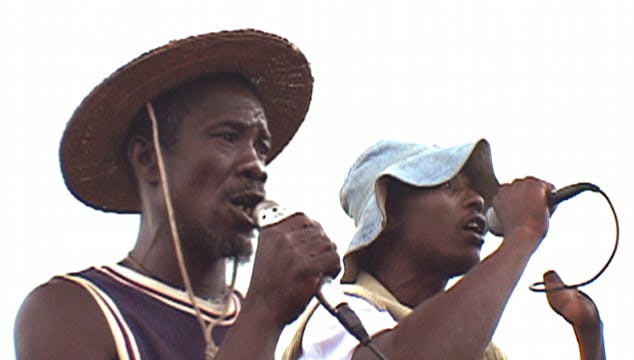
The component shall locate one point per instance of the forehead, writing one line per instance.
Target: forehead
(226, 99)
(463, 177)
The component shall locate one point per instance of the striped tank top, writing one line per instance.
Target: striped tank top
(150, 319)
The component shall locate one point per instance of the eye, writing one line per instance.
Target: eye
(263, 147)
(229, 136)
(447, 185)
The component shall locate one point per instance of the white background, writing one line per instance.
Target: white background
(548, 83)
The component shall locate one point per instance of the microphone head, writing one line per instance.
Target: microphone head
(493, 224)
(269, 212)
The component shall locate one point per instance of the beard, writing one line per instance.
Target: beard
(208, 245)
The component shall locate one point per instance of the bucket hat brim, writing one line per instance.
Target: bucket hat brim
(364, 192)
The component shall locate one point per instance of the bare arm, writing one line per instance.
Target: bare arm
(459, 323)
(579, 310)
(59, 320)
(290, 260)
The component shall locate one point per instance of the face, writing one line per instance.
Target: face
(216, 170)
(439, 229)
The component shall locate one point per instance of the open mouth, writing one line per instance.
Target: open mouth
(476, 224)
(246, 202)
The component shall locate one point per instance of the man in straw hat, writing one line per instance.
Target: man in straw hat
(419, 216)
(181, 135)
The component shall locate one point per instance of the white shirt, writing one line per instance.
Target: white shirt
(325, 338)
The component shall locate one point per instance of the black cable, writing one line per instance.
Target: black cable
(268, 213)
(539, 286)
(354, 326)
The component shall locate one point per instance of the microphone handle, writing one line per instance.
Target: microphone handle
(570, 191)
(554, 199)
(268, 213)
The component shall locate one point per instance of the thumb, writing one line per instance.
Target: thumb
(552, 280)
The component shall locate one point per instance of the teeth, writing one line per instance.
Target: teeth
(473, 225)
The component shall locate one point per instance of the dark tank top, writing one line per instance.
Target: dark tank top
(150, 319)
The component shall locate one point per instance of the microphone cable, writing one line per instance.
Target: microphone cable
(352, 324)
(539, 286)
(268, 213)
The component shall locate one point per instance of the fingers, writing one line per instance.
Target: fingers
(328, 262)
(554, 286)
(292, 258)
(557, 296)
(541, 187)
(322, 254)
(303, 239)
(573, 305)
(548, 186)
(523, 205)
(552, 280)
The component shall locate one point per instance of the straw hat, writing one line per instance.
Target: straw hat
(92, 156)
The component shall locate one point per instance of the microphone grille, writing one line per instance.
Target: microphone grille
(269, 212)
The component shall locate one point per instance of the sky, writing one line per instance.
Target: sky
(549, 83)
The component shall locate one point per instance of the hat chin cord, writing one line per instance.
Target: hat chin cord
(210, 347)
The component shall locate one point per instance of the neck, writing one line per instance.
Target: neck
(207, 278)
(408, 281)
(410, 287)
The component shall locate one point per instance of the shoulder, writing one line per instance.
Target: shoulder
(60, 319)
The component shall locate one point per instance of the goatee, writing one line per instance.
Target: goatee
(212, 246)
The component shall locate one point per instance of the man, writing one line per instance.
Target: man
(181, 135)
(419, 216)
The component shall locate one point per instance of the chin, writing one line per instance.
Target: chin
(240, 248)
(464, 266)
(214, 246)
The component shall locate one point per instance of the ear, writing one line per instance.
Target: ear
(142, 158)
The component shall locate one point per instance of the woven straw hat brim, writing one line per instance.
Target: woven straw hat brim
(92, 153)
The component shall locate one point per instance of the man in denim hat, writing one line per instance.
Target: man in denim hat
(419, 216)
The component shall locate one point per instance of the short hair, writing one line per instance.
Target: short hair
(172, 107)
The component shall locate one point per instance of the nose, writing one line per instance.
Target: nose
(475, 201)
(252, 165)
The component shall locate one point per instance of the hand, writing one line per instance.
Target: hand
(572, 304)
(291, 259)
(522, 206)
(579, 310)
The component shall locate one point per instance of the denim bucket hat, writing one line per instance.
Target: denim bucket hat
(363, 192)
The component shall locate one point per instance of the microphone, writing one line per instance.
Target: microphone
(554, 198)
(268, 213)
